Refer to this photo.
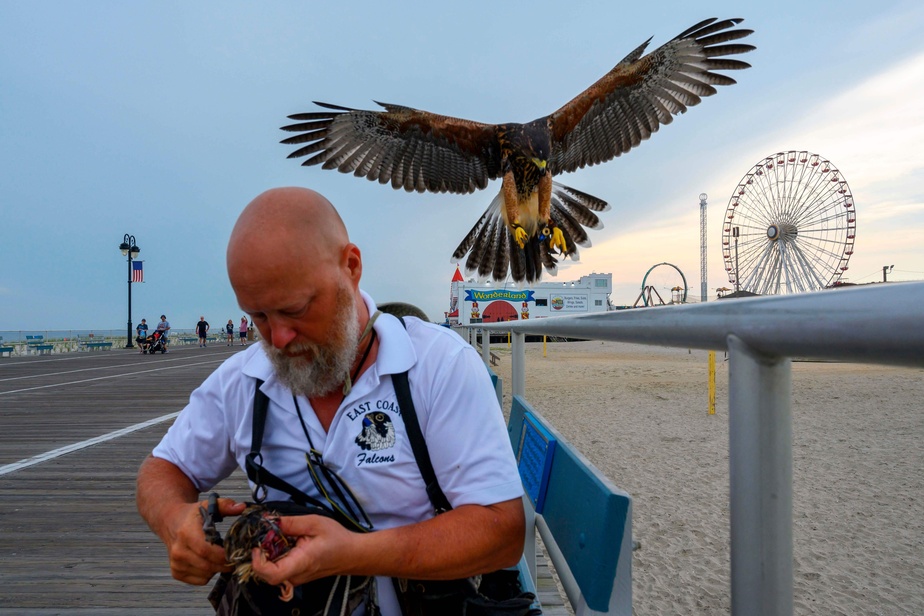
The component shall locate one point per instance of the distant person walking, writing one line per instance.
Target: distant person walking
(202, 328)
(229, 329)
(163, 327)
(243, 330)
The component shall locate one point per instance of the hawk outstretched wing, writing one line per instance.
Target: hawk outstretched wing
(629, 103)
(412, 149)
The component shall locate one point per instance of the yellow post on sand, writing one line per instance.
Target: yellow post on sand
(712, 382)
(543, 346)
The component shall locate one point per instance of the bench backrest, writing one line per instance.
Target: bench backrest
(585, 521)
(498, 383)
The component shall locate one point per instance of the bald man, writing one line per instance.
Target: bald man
(326, 364)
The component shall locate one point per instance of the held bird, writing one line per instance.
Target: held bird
(532, 219)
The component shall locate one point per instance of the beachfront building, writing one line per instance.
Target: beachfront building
(473, 302)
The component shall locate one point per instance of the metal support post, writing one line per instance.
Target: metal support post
(486, 347)
(518, 364)
(711, 402)
(760, 465)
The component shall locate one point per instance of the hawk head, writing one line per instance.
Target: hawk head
(528, 142)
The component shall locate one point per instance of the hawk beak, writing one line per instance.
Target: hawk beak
(540, 163)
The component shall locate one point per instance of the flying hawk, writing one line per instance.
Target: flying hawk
(532, 218)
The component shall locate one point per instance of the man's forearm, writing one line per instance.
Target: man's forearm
(161, 486)
(465, 541)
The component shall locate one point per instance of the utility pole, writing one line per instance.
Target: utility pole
(886, 269)
(737, 273)
(702, 247)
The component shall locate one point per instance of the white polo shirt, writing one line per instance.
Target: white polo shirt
(367, 445)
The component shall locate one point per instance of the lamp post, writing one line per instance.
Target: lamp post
(131, 250)
(885, 270)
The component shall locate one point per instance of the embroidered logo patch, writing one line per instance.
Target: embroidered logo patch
(378, 432)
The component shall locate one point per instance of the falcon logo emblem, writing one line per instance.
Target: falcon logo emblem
(378, 432)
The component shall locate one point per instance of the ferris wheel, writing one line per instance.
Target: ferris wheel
(790, 226)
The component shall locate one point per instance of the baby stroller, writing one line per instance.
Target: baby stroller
(153, 343)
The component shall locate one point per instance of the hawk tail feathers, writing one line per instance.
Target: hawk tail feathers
(572, 210)
(491, 253)
(477, 240)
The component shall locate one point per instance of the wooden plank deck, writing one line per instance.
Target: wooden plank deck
(72, 541)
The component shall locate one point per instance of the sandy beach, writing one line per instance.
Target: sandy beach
(640, 415)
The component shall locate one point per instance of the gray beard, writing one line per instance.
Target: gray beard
(318, 370)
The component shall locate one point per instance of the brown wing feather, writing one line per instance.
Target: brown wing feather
(410, 148)
(641, 93)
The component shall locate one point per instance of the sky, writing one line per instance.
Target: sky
(162, 120)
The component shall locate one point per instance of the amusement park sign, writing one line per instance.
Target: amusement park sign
(472, 295)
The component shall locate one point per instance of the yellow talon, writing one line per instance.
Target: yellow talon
(558, 239)
(519, 235)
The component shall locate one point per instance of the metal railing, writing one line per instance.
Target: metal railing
(71, 340)
(879, 324)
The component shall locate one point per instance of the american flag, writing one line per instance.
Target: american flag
(137, 271)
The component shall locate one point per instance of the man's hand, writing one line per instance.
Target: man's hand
(168, 502)
(193, 559)
(322, 549)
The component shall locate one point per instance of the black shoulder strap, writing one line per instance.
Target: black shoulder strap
(260, 407)
(261, 477)
(418, 443)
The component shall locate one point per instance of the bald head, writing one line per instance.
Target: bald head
(289, 219)
(286, 233)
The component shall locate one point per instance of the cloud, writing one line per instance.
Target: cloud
(875, 129)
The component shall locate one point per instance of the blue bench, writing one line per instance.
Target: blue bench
(6, 350)
(584, 520)
(96, 345)
(42, 349)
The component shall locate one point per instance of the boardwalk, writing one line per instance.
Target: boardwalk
(72, 540)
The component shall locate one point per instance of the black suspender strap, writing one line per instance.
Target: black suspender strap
(418, 443)
(261, 477)
(260, 407)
